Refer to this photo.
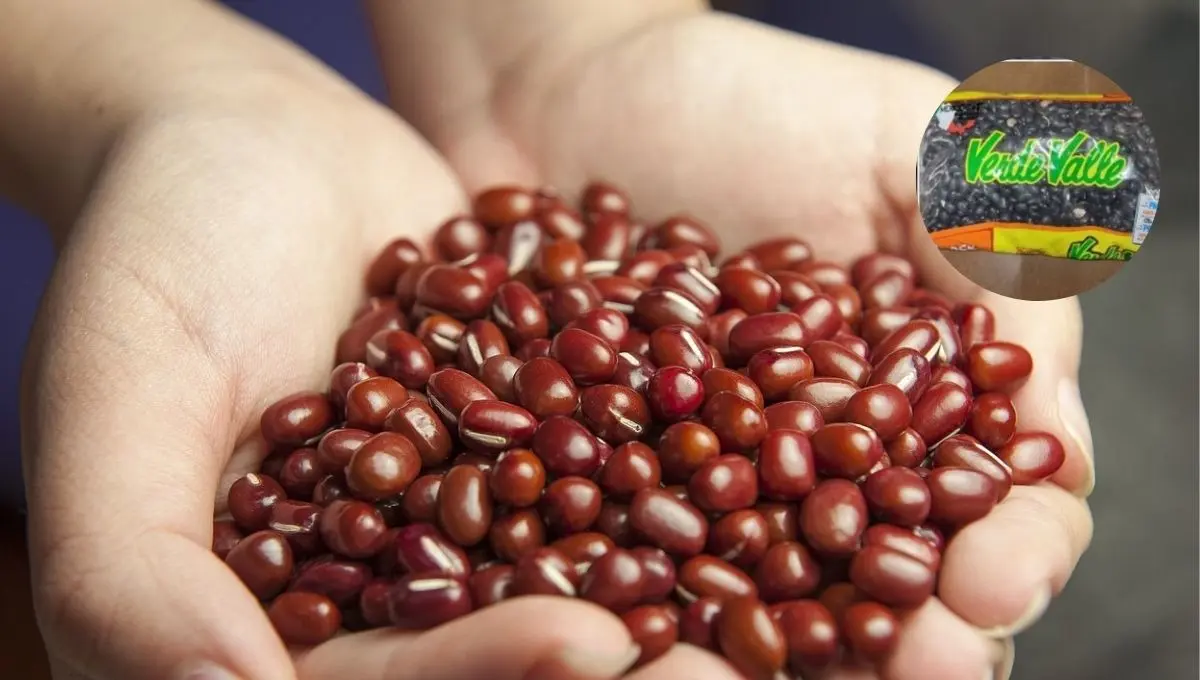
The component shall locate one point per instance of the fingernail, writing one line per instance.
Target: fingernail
(1005, 657)
(590, 663)
(1075, 422)
(1037, 607)
(207, 671)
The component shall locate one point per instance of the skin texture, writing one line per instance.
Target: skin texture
(208, 209)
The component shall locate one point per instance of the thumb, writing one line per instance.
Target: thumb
(126, 430)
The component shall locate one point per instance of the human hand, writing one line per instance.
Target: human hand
(760, 132)
(214, 260)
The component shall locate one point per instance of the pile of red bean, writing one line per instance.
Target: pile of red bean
(763, 457)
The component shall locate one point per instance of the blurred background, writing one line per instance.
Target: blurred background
(1130, 612)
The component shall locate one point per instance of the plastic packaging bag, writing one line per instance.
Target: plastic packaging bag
(1064, 175)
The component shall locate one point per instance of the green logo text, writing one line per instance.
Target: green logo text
(1086, 250)
(1057, 162)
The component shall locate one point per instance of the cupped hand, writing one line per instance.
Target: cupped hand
(761, 132)
(216, 259)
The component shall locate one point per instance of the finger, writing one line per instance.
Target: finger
(121, 495)
(937, 645)
(526, 638)
(686, 661)
(1000, 572)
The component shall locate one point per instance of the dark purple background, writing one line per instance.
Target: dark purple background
(337, 34)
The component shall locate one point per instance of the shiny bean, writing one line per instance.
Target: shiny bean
(738, 423)
(518, 312)
(417, 422)
(653, 630)
(614, 581)
(339, 580)
(677, 345)
(453, 291)
(460, 237)
(965, 451)
(251, 499)
(673, 393)
(297, 418)
(884, 408)
(584, 548)
(833, 517)
(877, 324)
(352, 343)
(383, 467)
(632, 467)
(393, 260)
(668, 523)
(846, 450)
(765, 331)
(297, 521)
(544, 387)
(886, 289)
(263, 561)
(998, 366)
(751, 291)
(570, 505)
(491, 585)
(975, 324)
(870, 630)
(831, 360)
(607, 324)
(225, 535)
(491, 427)
(503, 205)
(781, 253)
(820, 316)
(708, 576)
(464, 506)
(940, 412)
(906, 369)
(786, 467)
(723, 484)
(545, 571)
(829, 395)
(633, 371)
(794, 415)
(659, 307)
(897, 495)
(740, 538)
(950, 350)
(718, 380)
(353, 529)
(344, 376)
(566, 448)
(440, 334)
(518, 478)
(423, 601)
(516, 534)
(1032, 456)
(907, 449)
(587, 358)
(776, 370)
(692, 282)
(868, 267)
(749, 638)
(300, 473)
(304, 619)
(697, 625)
(959, 496)
(369, 402)
(906, 541)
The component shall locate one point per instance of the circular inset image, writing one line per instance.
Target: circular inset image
(1038, 178)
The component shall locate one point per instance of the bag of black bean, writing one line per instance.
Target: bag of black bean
(1068, 176)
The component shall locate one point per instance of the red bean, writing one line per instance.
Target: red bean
(907, 449)
(718, 380)
(419, 502)
(421, 548)
(566, 447)
(422, 601)
(685, 448)
(897, 495)
(464, 505)
(570, 505)
(545, 571)
(996, 366)
(965, 451)
(868, 267)
(783, 521)
(675, 526)
(883, 408)
(697, 624)
(297, 521)
(833, 517)
(614, 581)
(748, 637)
(516, 534)
(780, 253)
(353, 529)
(959, 496)
(251, 499)
(300, 473)
(692, 282)
(846, 450)
(870, 630)
(975, 324)
(225, 536)
(560, 222)
(775, 371)
(382, 467)
(786, 466)
(740, 538)
(918, 335)
(940, 412)
(904, 540)
(491, 427)
(708, 576)
(544, 387)
(304, 619)
(950, 348)
(738, 423)
(820, 316)
(659, 307)
(992, 419)
(725, 483)
(491, 585)
(652, 629)
(673, 393)
(794, 415)
(1032, 456)
(877, 324)
(831, 360)
(297, 418)
(416, 421)
(393, 260)
(440, 334)
(787, 571)
(263, 561)
(352, 343)
(751, 291)
(829, 395)
(810, 632)
(765, 331)
(339, 580)
(453, 291)
(584, 548)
